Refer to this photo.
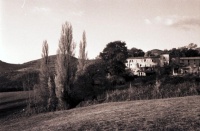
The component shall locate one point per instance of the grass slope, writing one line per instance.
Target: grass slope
(182, 113)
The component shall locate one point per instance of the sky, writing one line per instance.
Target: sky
(143, 24)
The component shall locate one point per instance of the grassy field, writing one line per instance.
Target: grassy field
(11, 103)
(181, 113)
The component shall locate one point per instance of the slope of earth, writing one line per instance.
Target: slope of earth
(182, 113)
(18, 77)
(5, 67)
(34, 65)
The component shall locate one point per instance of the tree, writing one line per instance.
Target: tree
(91, 83)
(184, 52)
(192, 46)
(191, 53)
(115, 55)
(44, 74)
(134, 52)
(189, 46)
(64, 75)
(175, 52)
(82, 54)
(52, 101)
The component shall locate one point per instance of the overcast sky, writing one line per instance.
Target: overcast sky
(144, 24)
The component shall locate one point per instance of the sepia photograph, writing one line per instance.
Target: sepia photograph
(99, 65)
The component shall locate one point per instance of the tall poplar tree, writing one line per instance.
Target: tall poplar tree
(82, 54)
(63, 65)
(44, 75)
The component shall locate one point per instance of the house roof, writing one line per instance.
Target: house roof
(189, 58)
(142, 57)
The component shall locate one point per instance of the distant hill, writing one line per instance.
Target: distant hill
(18, 77)
(33, 65)
(5, 67)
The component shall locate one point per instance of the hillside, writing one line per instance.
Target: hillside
(34, 64)
(5, 67)
(178, 114)
(16, 77)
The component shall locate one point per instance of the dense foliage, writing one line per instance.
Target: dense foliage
(115, 55)
(184, 52)
(134, 52)
(18, 81)
(91, 83)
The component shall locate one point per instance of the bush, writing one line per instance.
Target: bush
(117, 80)
(152, 92)
(35, 104)
(128, 75)
(161, 88)
(145, 80)
(91, 83)
(18, 81)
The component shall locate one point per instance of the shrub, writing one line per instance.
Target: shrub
(160, 89)
(117, 80)
(91, 83)
(18, 81)
(151, 92)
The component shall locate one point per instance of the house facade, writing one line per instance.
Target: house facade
(140, 66)
(187, 65)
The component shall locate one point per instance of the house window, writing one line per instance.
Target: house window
(144, 60)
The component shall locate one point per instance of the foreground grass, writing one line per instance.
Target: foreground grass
(182, 113)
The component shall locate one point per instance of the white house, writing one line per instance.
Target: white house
(139, 65)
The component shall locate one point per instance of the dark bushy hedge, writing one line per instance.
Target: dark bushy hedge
(90, 83)
(145, 88)
(18, 81)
